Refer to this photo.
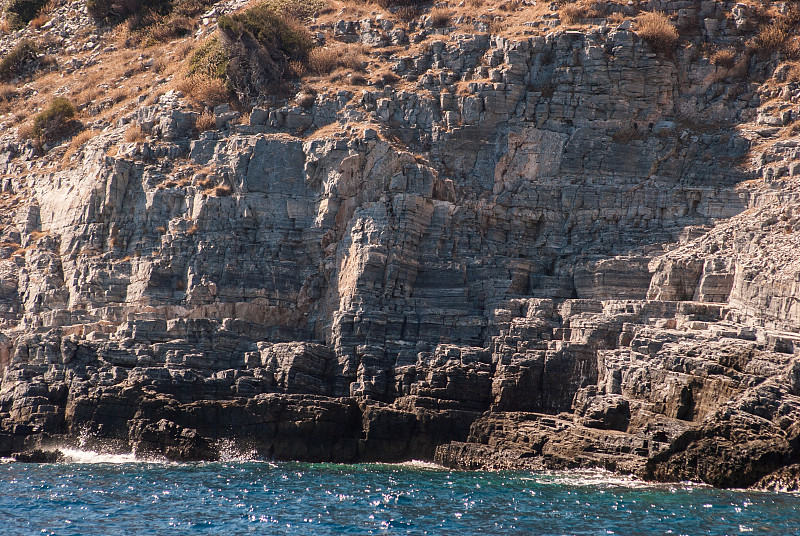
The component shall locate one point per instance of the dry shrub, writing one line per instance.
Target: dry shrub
(439, 17)
(205, 121)
(617, 17)
(222, 191)
(183, 48)
(328, 59)
(656, 29)
(77, 141)
(18, 60)
(40, 20)
(205, 89)
(324, 60)
(159, 64)
(409, 13)
(134, 133)
(723, 58)
(570, 14)
(26, 131)
(792, 75)
(496, 26)
(306, 98)
(398, 3)
(56, 121)
(770, 39)
(356, 79)
(511, 5)
(297, 68)
(8, 93)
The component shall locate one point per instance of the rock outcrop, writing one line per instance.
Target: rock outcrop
(530, 252)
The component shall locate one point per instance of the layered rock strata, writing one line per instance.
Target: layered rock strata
(530, 253)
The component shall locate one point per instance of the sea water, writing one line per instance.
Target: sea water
(92, 494)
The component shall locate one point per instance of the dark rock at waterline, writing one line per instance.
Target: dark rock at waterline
(39, 456)
(176, 443)
(734, 450)
(784, 479)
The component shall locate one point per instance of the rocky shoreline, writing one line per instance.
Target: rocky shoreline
(550, 251)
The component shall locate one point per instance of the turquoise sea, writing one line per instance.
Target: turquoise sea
(116, 495)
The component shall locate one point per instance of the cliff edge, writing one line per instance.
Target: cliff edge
(493, 235)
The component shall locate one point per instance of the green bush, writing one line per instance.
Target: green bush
(275, 32)
(210, 59)
(13, 64)
(21, 12)
(263, 48)
(56, 121)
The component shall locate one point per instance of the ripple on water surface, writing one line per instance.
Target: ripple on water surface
(115, 495)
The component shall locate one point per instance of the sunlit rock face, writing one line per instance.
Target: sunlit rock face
(542, 255)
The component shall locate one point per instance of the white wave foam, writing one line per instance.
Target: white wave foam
(89, 456)
(598, 477)
(230, 452)
(419, 464)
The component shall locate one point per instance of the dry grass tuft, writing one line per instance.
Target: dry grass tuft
(571, 13)
(205, 122)
(40, 20)
(725, 58)
(409, 13)
(657, 30)
(770, 39)
(77, 141)
(223, 191)
(328, 59)
(134, 133)
(8, 93)
(440, 17)
(617, 17)
(205, 89)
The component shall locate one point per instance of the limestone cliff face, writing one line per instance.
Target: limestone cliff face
(470, 266)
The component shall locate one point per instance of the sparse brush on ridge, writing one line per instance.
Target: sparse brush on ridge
(778, 35)
(439, 17)
(15, 62)
(150, 21)
(657, 30)
(571, 13)
(20, 12)
(53, 123)
(399, 3)
(328, 59)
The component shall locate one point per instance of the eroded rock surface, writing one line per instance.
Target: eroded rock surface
(538, 255)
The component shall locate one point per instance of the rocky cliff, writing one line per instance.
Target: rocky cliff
(560, 247)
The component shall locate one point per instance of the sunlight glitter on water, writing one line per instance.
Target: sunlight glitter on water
(297, 499)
